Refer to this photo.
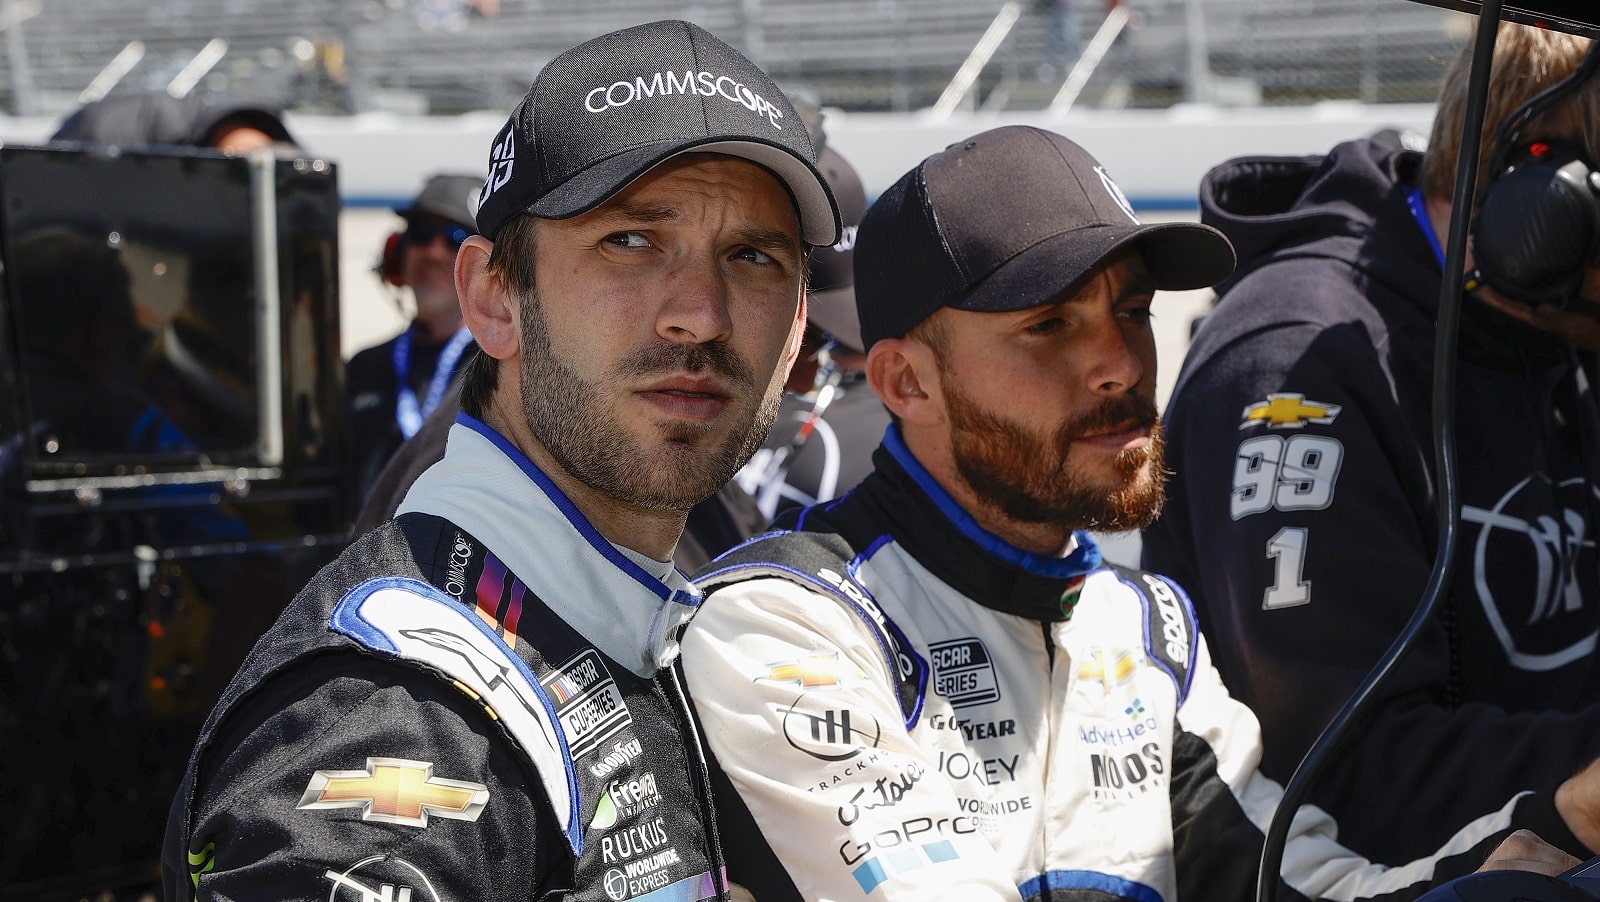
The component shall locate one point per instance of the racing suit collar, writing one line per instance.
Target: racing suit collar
(605, 592)
(903, 499)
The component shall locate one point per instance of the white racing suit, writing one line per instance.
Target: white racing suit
(905, 707)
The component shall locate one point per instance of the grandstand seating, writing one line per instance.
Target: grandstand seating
(438, 56)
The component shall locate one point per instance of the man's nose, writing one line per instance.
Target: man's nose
(1117, 364)
(696, 306)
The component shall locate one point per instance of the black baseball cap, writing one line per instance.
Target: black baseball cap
(451, 197)
(831, 293)
(1006, 220)
(603, 113)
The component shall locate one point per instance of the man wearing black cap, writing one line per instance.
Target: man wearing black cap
(821, 444)
(393, 386)
(471, 702)
(933, 688)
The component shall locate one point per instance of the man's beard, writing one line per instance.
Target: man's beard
(566, 413)
(1027, 477)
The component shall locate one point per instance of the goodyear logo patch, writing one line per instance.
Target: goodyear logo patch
(1288, 410)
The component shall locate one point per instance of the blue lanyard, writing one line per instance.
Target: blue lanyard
(406, 410)
(1419, 212)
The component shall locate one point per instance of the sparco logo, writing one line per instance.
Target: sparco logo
(903, 661)
(1173, 626)
(460, 557)
(704, 84)
(620, 754)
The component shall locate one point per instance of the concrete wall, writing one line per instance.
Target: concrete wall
(1158, 156)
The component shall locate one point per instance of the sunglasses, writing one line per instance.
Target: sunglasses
(421, 233)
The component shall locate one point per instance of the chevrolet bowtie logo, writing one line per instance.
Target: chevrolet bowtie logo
(1112, 672)
(396, 791)
(814, 671)
(1288, 410)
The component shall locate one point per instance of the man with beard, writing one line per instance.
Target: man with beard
(471, 703)
(933, 688)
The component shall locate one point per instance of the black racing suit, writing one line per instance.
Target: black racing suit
(446, 713)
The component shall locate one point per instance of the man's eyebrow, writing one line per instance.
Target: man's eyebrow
(634, 212)
(770, 240)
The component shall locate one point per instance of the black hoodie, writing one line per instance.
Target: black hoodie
(1302, 516)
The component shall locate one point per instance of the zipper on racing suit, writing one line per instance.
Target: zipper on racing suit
(671, 684)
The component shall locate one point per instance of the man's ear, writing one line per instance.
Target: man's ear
(797, 334)
(902, 372)
(492, 314)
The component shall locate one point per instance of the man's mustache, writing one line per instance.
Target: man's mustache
(1111, 413)
(665, 358)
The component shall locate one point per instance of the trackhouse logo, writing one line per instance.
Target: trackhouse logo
(663, 84)
(827, 733)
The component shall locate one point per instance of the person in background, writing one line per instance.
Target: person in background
(821, 444)
(393, 386)
(1302, 517)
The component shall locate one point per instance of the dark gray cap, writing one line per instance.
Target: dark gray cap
(451, 197)
(831, 293)
(603, 113)
(1006, 220)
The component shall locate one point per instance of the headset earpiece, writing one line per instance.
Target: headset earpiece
(391, 264)
(1538, 225)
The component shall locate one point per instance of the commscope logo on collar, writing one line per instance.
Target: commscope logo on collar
(704, 84)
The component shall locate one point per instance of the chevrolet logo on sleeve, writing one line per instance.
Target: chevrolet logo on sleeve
(1098, 665)
(814, 672)
(1288, 410)
(396, 791)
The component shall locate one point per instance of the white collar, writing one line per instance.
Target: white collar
(609, 594)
